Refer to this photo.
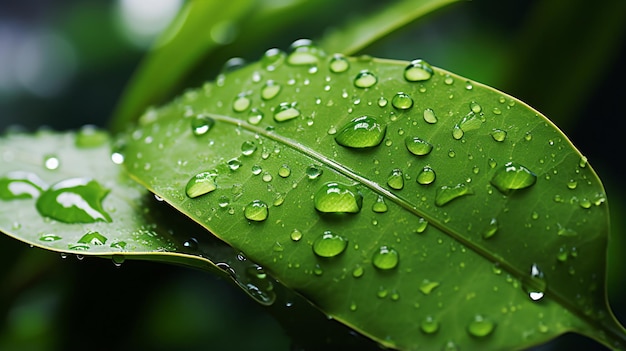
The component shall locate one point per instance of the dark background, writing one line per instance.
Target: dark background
(64, 64)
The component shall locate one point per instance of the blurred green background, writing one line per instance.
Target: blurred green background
(65, 63)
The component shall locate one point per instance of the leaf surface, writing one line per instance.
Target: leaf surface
(418, 207)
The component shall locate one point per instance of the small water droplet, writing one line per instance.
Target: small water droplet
(491, 229)
(457, 132)
(51, 162)
(382, 102)
(234, 164)
(475, 107)
(429, 116)
(248, 148)
(418, 70)
(481, 326)
(286, 111)
(498, 135)
(379, 206)
(402, 101)
(241, 103)
(365, 79)
(272, 58)
(427, 286)
(338, 64)
(426, 176)
(535, 284)
(255, 116)
(513, 176)
(418, 146)
(191, 244)
(396, 179)
(270, 90)
(201, 124)
(572, 184)
(21, 185)
(313, 172)
(329, 244)
(358, 271)
(422, 224)
(49, 237)
(223, 201)
(284, 171)
(385, 258)
(303, 52)
(256, 169)
(296, 235)
(338, 198)
(429, 325)
(267, 177)
(361, 132)
(200, 184)
(445, 194)
(256, 210)
(75, 200)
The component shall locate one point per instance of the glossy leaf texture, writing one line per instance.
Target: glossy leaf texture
(66, 192)
(420, 208)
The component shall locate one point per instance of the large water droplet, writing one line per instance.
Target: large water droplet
(272, 58)
(418, 146)
(338, 64)
(481, 326)
(75, 200)
(296, 235)
(426, 176)
(234, 164)
(535, 285)
(284, 171)
(248, 148)
(241, 103)
(256, 210)
(201, 124)
(304, 52)
(429, 116)
(313, 172)
(255, 116)
(385, 258)
(286, 111)
(429, 325)
(513, 176)
(200, 184)
(365, 79)
(361, 132)
(396, 179)
(418, 70)
(402, 101)
(329, 244)
(498, 135)
(338, 198)
(380, 206)
(445, 194)
(270, 90)
(21, 185)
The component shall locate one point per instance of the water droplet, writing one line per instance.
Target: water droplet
(255, 116)
(481, 326)
(426, 176)
(200, 184)
(329, 244)
(338, 198)
(361, 132)
(284, 171)
(338, 64)
(93, 239)
(470, 122)
(402, 101)
(583, 162)
(457, 132)
(234, 164)
(201, 124)
(296, 235)
(21, 185)
(51, 162)
(304, 52)
(223, 201)
(256, 169)
(267, 177)
(358, 271)
(272, 58)
(248, 148)
(241, 103)
(191, 244)
(429, 325)
(513, 176)
(450, 346)
(572, 184)
(286, 111)
(426, 287)
(49, 237)
(418, 146)
(313, 172)
(118, 260)
(429, 116)
(75, 200)
(90, 136)
(256, 210)
(385, 258)
(535, 285)
(445, 194)
(475, 107)
(382, 102)
(496, 111)
(491, 230)
(498, 135)
(270, 90)
(365, 79)
(422, 224)
(379, 206)
(396, 179)
(418, 70)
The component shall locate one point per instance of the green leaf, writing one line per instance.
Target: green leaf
(451, 215)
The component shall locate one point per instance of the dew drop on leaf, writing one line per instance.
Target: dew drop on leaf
(51, 162)
(272, 58)
(379, 206)
(422, 224)
(427, 286)
(396, 179)
(475, 107)
(256, 210)
(418, 146)
(329, 244)
(513, 176)
(385, 258)
(338, 198)
(382, 102)
(457, 132)
(201, 124)
(200, 184)
(358, 271)
(445, 194)
(429, 116)
(241, 103)
(402, 101)
(481, 326)
(286, 111)
(498, 135)
(426, 176)
(418, 70)
(234, 164)
(304, 52)
(429, 325)
(361, 132)
(75, 200)
(191, 244)
(535, 284)
(296, 235)
(313, 172)
(284, 171)
(49, 237)
(338, 64)
(491, 230)
(365, 79)
(255, 116)
(270, 90)
(248, 148)
(21, 185)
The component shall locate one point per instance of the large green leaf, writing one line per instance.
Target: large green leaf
(418, 207)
